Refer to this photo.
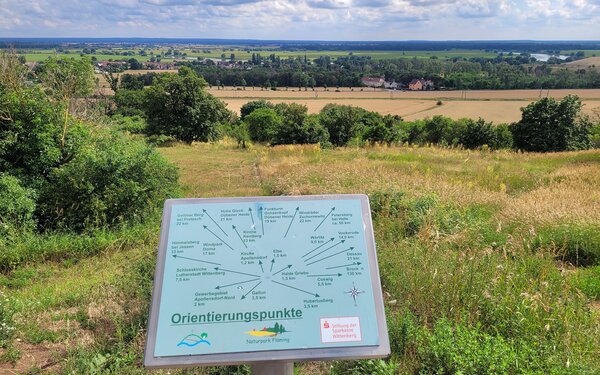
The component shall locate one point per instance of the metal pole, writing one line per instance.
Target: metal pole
(273, 368)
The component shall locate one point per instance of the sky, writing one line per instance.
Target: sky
(305, 19)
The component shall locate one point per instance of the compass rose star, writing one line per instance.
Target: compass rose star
(354, 293)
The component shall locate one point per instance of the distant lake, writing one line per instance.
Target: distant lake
(544, 57)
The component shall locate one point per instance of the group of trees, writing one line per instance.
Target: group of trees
(546, 125)
(503, 72)
(341, 125)
(178, 106)
(58, 172)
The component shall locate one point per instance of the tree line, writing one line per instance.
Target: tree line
(178, 106)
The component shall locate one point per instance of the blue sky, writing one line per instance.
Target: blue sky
(304, 19)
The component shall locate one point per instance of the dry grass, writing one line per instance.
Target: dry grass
(590, 62)
(529, 188)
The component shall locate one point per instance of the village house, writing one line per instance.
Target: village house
(420, 84)
(391, 85)
(104, 65)
(373, 81)
(156, 65)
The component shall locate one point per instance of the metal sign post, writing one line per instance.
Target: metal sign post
(266, 281)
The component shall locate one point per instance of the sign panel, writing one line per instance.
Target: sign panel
(267, 278)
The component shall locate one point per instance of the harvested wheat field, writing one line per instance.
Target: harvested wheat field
(497, 106)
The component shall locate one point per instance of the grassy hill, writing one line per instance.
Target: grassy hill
(488, 260)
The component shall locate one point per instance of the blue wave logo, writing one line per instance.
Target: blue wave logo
(192, 340)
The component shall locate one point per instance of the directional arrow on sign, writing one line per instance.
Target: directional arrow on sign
(241, 273)
(260, 263)
(251, 217)
(214, 234)
(322, 221)
(241, 282)
(329, 256)
(331, 274)
(196, 260)
(284, 268)
(254, 287)
(318, 247)
(213, 220)
(272, 263)
(238, 233)
(293, 287)
(291, 221)
(344, 265)
(330, 247)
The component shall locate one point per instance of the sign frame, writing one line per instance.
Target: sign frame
(255, 357)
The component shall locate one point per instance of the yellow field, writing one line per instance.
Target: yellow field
(590, 62)
(499, 106)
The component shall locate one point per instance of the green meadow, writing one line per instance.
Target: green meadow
(489, 262)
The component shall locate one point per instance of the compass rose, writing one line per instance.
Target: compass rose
(354, 293)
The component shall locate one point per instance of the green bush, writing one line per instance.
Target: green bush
(240, 133)
(263, 124)
(440, 130)
(34, 139)
(310, 131)
(479, 133)
(253, 105)
(17, 205)
(415, 132)
(549, 125)
(457, 349)
(342, 122)
(178, 105)
(130, 102)
(116, 181)
(131, 124)
(595, 136)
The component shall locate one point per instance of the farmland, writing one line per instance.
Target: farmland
(499, 106)
(37, 55)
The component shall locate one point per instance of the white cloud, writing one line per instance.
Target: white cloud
(305, 19)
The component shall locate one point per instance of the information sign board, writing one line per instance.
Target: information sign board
(241, 280)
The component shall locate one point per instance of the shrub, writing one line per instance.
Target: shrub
(548, 125)
(342, 122)
(263, 124)
(479, 133)
(415, 132)
(595, 136)
(240, 133)
(310, 131)
(31, 137)
(130, 124)
(177, 105)
(439, 130)
(130, 102)
(17, 205)
(457, 349)
(117, 181)
(253, 105)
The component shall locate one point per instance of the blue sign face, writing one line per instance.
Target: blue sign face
(257, 275)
